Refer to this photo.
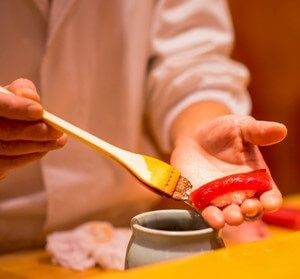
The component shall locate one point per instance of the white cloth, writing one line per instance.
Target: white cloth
(106, 66)
(91, 244)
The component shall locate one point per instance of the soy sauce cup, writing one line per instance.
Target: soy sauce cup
(162, 235)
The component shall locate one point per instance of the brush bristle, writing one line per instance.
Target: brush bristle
(182, 190)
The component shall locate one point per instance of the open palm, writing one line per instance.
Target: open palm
(224, 146)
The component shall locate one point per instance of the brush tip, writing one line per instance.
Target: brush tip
(182, 189)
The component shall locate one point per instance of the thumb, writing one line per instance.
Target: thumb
(262, 132)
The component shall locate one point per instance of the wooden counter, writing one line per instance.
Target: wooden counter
(277, 257)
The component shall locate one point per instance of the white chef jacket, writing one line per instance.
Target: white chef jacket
(122, 70)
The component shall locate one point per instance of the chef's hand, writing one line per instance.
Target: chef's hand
(208, 146)
(24, 137)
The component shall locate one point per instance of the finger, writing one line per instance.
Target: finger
(27, 130)
(271, 200)
(25, 88)
(251, 208)
(21, 83)
(254, 218)
(233, 215)
(11, 162)
(14, 148)
(14, 107)
(214, 217)
(262, 132)
(28, 93)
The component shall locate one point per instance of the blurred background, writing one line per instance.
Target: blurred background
(268, 43)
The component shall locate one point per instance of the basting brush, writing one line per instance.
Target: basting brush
(155, 174)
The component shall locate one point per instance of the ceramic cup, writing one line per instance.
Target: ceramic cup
(168, 234)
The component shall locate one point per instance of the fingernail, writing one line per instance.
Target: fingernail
(61, 141)
(20, 91)
(35, 111)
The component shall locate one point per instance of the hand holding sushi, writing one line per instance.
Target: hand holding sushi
(218, 152)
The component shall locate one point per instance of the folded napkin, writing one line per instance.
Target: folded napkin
(93, 243)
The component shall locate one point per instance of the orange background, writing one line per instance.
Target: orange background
(268, 43)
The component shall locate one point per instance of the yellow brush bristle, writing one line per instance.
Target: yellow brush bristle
(164, 177)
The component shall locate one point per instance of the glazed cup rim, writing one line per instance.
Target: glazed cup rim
(197, 232)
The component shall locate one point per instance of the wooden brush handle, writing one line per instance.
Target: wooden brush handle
(154, 173)
(82, 135)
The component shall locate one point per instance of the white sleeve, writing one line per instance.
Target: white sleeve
(191, 42)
